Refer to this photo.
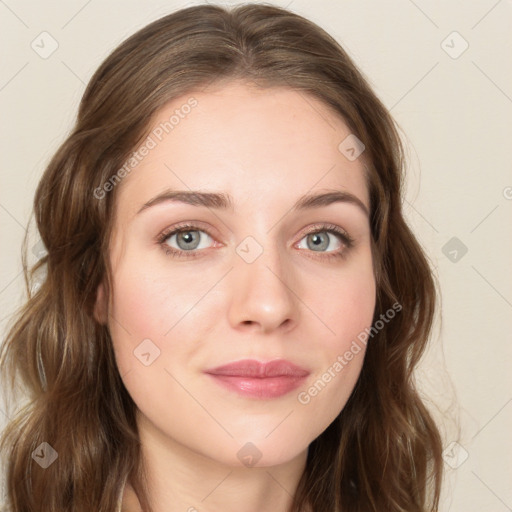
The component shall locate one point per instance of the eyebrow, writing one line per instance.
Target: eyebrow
(221, 201)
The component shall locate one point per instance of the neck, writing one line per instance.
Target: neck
(180, 479)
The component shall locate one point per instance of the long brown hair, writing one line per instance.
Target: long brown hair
(383, 451)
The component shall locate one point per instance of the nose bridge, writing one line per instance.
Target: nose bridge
(261, 289)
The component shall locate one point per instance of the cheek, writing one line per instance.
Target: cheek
(161, 313)
(149, 302)
(144, 308)
(346, 308)
(346, 304)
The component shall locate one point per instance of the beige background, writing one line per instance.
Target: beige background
(455, 110)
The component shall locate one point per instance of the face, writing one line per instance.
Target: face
(250, 275)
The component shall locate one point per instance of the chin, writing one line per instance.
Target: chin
(259, 451)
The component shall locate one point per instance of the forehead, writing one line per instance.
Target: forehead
(257, 145)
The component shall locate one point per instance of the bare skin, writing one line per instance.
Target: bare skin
(266, 149)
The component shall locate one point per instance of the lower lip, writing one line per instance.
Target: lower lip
(269, 387)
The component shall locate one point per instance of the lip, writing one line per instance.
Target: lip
(256, 379)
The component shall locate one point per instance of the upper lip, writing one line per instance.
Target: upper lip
(257, 369)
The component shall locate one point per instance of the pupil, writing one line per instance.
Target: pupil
(317, 240)
(187, 238)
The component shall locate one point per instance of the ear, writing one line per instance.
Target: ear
(101, 305)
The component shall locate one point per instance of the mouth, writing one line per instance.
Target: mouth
(251, 378)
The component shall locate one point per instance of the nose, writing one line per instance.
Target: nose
(263, 297)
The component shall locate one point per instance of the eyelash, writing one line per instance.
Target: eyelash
(182, 228)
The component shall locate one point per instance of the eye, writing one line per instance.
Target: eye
(320, 238)
(188, 239)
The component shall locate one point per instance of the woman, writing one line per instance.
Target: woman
(234, 304)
